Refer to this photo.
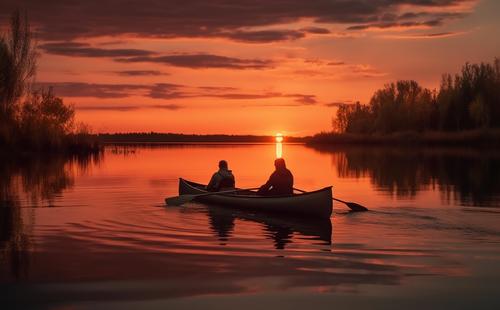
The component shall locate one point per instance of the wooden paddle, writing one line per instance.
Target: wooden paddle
(352, 205)
(182, 199)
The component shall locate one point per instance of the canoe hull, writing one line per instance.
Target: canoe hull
(312, 204)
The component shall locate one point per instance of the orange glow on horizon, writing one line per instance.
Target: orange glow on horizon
(274, 76)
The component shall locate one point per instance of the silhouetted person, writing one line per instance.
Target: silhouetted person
(222, 179)
(280, 182)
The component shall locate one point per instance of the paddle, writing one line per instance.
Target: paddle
(352, 205)
(182, 199)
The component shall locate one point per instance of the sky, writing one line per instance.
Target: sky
(245, 66)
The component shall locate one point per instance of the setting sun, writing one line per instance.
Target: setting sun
(279, 137)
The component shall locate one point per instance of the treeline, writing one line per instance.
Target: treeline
(469, 100)
(32, 119)
(154, 137)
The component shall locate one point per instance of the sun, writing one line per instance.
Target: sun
(279, 137)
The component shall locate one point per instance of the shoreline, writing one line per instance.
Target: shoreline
(474, 138)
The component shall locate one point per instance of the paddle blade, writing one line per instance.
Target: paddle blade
(356, 207)
(179, 200)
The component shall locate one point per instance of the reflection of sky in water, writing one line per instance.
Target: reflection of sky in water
(108, 238)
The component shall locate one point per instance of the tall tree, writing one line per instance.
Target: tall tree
(17, 69)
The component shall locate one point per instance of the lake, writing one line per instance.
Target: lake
(94, 233)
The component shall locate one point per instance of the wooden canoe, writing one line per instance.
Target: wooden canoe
(314, 204)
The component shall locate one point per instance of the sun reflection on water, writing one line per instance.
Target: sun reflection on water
(279, 145)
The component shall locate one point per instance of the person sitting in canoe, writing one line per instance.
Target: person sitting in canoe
(280, 182)
(222, 179)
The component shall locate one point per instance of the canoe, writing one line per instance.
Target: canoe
(312, 204)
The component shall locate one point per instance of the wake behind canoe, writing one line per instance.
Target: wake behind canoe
(312, 204)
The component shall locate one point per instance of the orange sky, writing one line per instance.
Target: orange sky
(246, 67)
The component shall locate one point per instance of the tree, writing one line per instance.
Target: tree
(45, 120)
(17, 69)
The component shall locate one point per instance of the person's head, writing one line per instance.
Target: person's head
(279, 164)
(223, 164)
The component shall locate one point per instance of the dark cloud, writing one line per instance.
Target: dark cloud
(427, 35)
(127, 108)
(306, 99)
(299, 99)
(194, 61)
(201, 18)
(107, 108)
(165, 91)
(140, 72)
(440, 15)
(217, 88)
(436, 35)
(243, 96)
(337, 104)
(77, 49)
(166, 106)
(266, 36)
(197, 61)
(429, 23)
(336, 63)
(77, 89)
(316, 30)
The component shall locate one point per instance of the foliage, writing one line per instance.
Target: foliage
(31, 119)
(353, 118)
(17, 68)
(469, 100)
(45, 120)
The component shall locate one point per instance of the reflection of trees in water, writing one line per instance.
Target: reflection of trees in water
(36, 179)
(13, 240)
(277, 228)
(469, 176)
(394, 171)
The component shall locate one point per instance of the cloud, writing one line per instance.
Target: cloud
(167, 91)
(425, 24)
(77, 49)
(246, 96)
(203, 61)
(316, 30)
(193, 61)
(336, 63)
(437, 35)
(265, 36)
(299, 99)
(140, 72)
(216, 18)
(164, 91)
(337, 104)
(121, 108)
(305, 99)
(107, 108)
(166, 106)
(218, 88)
(78, 89)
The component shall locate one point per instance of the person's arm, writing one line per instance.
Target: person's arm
(214, 182)
(267, 186)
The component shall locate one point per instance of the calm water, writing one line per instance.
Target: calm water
(93, 233)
